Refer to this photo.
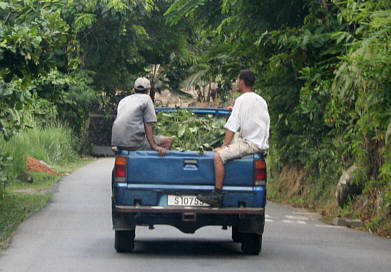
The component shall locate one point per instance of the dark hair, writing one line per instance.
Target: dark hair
(248, 77)
(142, 91)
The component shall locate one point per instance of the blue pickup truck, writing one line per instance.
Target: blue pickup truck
(149, 190)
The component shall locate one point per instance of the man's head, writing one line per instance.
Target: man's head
(142, 85)
(246, 78)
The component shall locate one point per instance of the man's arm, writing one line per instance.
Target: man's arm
(227, 139)
(149, 133)
(232, 124)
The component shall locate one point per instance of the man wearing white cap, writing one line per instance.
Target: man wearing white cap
(133, 126)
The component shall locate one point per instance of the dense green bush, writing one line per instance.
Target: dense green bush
(324, 68)
(62, 59)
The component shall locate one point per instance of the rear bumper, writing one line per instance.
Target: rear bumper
(156, 195)
(196, 210)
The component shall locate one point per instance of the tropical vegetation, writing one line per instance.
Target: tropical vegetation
(323, 66)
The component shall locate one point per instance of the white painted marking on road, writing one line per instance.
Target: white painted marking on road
(269, 220)
(309, 213)
(294, 222)
(295, 217)
(267, 216)
(329, 226)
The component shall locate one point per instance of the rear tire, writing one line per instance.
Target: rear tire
(124, 240)
(251, 243)
(235, 235)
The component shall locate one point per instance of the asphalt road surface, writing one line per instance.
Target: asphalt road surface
(74, 233)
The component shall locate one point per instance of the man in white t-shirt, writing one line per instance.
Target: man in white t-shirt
(133, 126)
(247, 132)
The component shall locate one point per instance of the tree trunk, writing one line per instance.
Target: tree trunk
(209, 89)
(155, 69)
(325, 11)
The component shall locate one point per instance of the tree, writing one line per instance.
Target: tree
(323, 66)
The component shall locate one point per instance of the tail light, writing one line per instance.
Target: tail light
(120, 168)
(260, 173)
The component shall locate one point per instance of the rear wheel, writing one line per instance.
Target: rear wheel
(235, 234)
(251, 243)
(124, 240)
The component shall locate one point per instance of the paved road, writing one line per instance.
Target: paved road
(73, 233)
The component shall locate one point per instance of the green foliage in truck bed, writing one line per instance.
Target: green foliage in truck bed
(190, 131)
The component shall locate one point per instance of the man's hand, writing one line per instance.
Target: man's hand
(229, 135)
(161, 150)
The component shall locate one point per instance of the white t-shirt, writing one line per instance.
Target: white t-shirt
(250, 116)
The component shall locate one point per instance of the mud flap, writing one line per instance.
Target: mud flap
(123, 221)
(252, 224)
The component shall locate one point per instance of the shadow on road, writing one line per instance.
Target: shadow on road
(176, 247)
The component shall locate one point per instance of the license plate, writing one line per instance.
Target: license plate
(185, 200)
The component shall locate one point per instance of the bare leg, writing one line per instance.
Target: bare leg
(215, 197)
(219, 171)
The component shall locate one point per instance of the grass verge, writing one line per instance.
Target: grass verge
(14, 209)
(24, 199)
(56, 146)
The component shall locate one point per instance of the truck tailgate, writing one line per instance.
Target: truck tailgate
(185, 168)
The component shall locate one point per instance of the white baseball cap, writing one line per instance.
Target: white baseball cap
(142, 83)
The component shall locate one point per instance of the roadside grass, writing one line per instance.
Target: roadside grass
(53, 144)
(14, 209)
(56, 146)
